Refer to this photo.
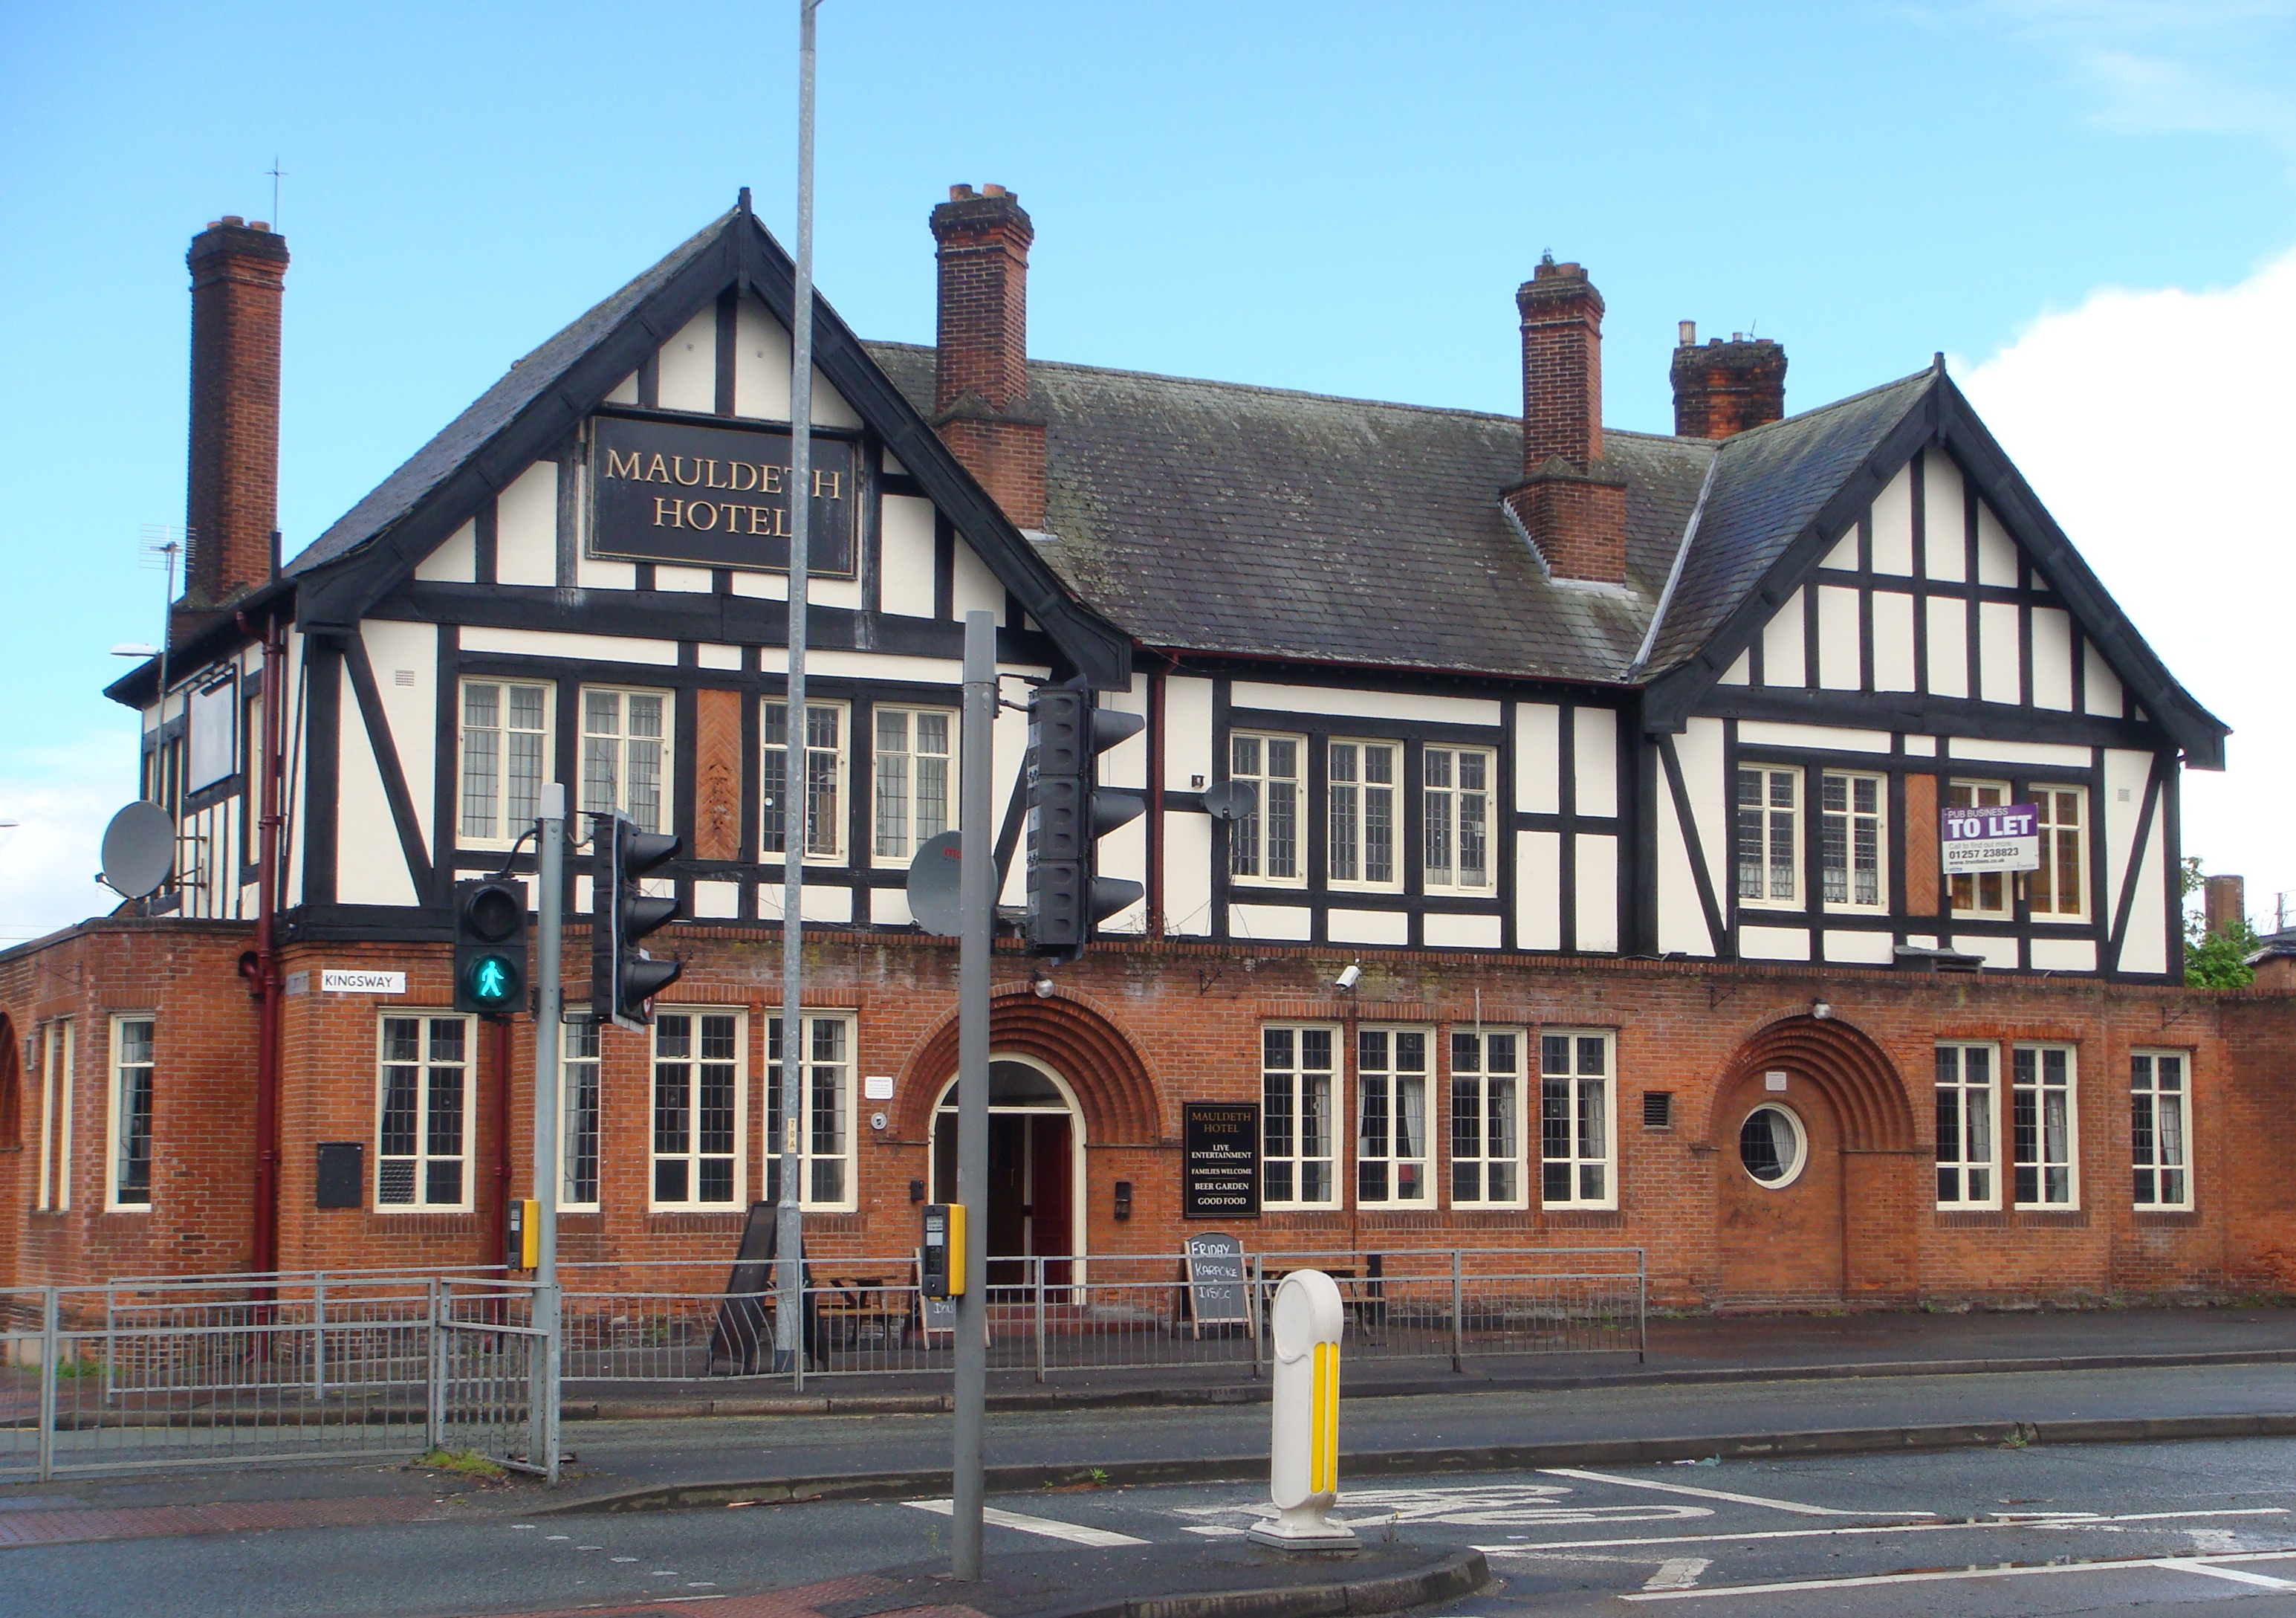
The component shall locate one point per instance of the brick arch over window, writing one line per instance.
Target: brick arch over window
(11, 1087)
(1860, 1080)
(1112, 1083)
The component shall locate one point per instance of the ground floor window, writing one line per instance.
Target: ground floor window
(579, 1103)
(422, 1144)
(697, 1109)
(1391, 1151)
(1966, 1096)
(53, 1193)
(132, 1068)
(824, 1136)
(1487, 1119)
(1297, 1080)
(2158, 1129)
(1574, 1119)
(2044, 1127)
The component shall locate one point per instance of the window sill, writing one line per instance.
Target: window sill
(1582, 1218)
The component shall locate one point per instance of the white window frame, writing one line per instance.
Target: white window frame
(1765, 824)
(692, 1155)
(819, 850)
(1472, 1081)
(56, 1052)
(1445, 809)
(1951, 1066)
(426, 1063)
(910, 761)
(621, 742)
(1979, 885)
(833, 1072)
(506, 826)
(2043, 1164)
(1576, 1160)
(2150, 1162)
(1296, 1075)
(2056, 835)
(1360, 794)
(1856, 860)
(579, 1066)
(1385, 1078)
(1251, 860)
(117, 1109)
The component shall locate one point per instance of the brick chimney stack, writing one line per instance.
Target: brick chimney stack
(1569, 502)
(981, 389)
(1727, 387)
(238, 276)
(2224, 904)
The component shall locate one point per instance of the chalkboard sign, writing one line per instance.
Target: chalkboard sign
(1220, 1166)
(1219, 1288)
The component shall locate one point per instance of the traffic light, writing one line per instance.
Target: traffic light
(624, 978)
(1069, 812)
(490, 945)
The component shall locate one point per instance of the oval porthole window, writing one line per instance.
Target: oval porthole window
(1771, 1146)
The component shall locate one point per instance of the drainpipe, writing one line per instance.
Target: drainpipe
(266, 1244)
(1156, 804)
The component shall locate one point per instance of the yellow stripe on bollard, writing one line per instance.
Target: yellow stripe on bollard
(1324, 1465)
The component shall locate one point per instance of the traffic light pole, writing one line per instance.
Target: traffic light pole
(550, 907)
(977, 898)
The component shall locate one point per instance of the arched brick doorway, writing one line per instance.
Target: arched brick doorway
(1817, 1170)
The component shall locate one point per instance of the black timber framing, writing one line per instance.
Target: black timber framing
(1693, 847)
(390, 769)
(1912, 713)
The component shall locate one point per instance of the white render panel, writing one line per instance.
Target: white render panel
(688, 377)
(526, 527)
(1781, 645)
(761, 373)
(821, 592)
(1996, 552)
(2053, 659)
(553, 643)
(624, 391)
(870, 666)
(1998, 660)
(904, 571)
(1598, 893)
(1187, 875)
(1188, 734)
(718, 899)
(2100, 686)
(2125, 770)
(1538, 771)
(1460, 931)
(1008, 750)
(1860, 949)
(1773, 943)
(1123, 853)
(363, 823)
(2001, 952)
(976, 587)
(1681, 918)
(1739, 673)
(2145, 947)
(297, 812)
(595, 573)
(1125, 764)
(889, 908)
(1838, 652)
(1368, 927)
(1844, 554)
(2060, 753)
(1538, 891)
(1949, 646)
(1893, 524)
(1920, 747)
(1700, 750)
(1770, 734)
(709, 655)
(456, 559)
(2065, 955)
(1287, 924)
(822, 903)
(689, 581)
(1594, 745)
(1945, 520)
(1364, 704)
(1893, 641)
(412, 710)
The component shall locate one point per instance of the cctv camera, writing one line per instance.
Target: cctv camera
(1347, 978)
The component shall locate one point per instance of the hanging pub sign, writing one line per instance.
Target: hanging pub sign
(1990, 837)
(1219, 1160)
(711, 494)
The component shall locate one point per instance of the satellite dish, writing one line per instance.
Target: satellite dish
(1230, 800)
(139, 850)
(934, 886)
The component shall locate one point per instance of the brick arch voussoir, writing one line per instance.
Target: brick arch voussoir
(1855, 1073)
(1112, 1084)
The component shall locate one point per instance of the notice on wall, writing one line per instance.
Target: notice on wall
(335, 981)
(1989, 837)
(1216, 1281)
(715, 495)
(1219, 1160)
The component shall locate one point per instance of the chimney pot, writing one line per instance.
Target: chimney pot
(233, 218)
(1728, 386)
(258, 225)
(1687, 334)
(958, 193)
(994, 191)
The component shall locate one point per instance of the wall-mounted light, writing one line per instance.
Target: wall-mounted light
(1040, 985)
(917, 1191)
(1820, 1010)
(1348, 975)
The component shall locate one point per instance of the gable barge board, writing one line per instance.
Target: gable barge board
(1912, 713)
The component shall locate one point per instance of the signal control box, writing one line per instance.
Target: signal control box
(524, 1245)
(943, 1269)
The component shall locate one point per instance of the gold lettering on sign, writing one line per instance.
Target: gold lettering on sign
(836, 490)
(669, 514)
(619, 465)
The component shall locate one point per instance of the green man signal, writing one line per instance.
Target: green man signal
(490, 945)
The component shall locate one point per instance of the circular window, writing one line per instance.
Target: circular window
(1771, 1146)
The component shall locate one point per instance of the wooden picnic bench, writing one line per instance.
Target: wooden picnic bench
(847, 1303)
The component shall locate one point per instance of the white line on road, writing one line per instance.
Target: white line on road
(1872, 1528)
(1722, 1494)
(2186, 1564)
(1679, 1573)
(1075, 1533)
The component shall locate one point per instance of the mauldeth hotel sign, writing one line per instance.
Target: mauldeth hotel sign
(709, 495)
(1990, 837)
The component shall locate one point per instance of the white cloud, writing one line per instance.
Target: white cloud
(2157, 426)
(60, 799)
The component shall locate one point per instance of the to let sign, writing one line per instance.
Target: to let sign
(1990, 837)
(1219, 1165)
(715, 495)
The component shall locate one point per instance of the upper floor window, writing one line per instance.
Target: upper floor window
(1979, 892)
(1264, 844)
(825, 781)
(1455, 799)
(626, 754)
(1575, 1122)
(1487, 1119)
(2056, 889)
(2158, 1129)
(916, 772)
(1967, 1098)
(1850, 825)
(421, 1145)
(1769, 836)
(697, 1109)
(505, 758)
(578, 1090)
(132, 1068)
(2044, 1127)
(826, 1178)
(1298, 1081)
(1362, 790)
(1391, 1151)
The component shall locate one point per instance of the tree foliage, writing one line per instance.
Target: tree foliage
(2218, 960)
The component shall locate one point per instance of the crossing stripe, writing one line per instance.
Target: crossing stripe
(1075, 1533)
(2211, 1565)
(1722, 1494)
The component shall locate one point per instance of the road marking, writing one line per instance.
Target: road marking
(1679, 1573)
(1214, 1531)
(1075, 1533)
(2185, 1565)
(1864, 1527)
(1722, 1494)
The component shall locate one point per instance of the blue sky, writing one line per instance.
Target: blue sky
(1332, 196)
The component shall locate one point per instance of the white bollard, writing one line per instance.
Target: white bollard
(1304, 1451)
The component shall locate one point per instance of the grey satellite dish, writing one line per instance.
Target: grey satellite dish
(139, 850)
(1230, 800)
(934, 886)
